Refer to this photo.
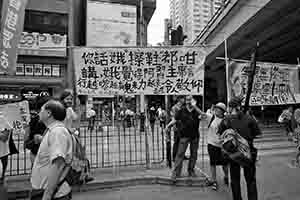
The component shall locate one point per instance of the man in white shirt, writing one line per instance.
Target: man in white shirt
(55, 153)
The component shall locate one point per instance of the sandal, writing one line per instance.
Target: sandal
(215, 186)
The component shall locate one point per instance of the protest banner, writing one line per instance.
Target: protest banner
(16, 114)
(274, 84)
(149, 71)
(12, 22)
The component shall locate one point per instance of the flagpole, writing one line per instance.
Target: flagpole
(251, 77)
(227, 71)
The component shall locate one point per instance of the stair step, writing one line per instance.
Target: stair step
(271, 139)
(276, 145)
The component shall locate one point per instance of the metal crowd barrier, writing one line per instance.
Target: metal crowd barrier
(117, 144)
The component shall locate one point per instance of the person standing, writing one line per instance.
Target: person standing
(34, 134)
(152, 118)
(72, 120)
(248, 128)
(5, 134)
(176, 124)
(216, 156)
(189, 118)
(54, 155)
(91, 116)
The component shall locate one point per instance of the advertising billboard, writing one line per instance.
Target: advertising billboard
(110, 24)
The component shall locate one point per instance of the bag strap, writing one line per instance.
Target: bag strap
(211, 120)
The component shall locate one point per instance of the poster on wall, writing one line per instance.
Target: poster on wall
(274, 84)
(110, 24)
(149, 71)
(16, 114)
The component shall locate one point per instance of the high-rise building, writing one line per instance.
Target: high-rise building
(193, 15)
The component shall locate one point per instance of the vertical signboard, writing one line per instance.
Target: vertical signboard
(12, 22)
(110, 24)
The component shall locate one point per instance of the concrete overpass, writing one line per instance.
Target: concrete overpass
(275, 24)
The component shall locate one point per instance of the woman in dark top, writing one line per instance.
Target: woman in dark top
(34, 135)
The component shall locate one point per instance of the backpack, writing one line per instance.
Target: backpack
(80, 165)
(236, 147)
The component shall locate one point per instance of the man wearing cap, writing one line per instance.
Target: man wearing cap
(216, 156)
(248, 128)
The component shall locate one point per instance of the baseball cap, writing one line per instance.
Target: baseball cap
(221, 105)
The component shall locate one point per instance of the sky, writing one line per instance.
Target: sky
(156, 25)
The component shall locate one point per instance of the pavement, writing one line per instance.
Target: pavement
(277, 179)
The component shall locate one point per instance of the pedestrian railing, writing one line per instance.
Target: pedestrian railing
(116, 144)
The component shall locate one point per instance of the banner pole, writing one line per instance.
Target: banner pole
(227, 71)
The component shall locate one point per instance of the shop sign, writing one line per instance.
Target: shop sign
(47, 70)
(41, 43)
(38, 69)
(29, 70)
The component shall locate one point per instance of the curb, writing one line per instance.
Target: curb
(127, 182)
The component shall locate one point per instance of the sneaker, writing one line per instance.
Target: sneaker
(215, 186)
(226, 181)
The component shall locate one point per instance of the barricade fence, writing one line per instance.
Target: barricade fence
(118, 144)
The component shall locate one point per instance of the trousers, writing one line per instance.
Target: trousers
(183, 144)
(250, 177)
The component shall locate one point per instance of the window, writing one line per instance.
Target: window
(37, 21)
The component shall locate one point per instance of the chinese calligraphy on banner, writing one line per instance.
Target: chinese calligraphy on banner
(159, 71)
(274, 84)
(16, 114)
(12, 22)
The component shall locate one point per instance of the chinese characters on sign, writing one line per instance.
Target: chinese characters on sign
(12, 22)
(16, 114)
(159, 71)
(274, 84)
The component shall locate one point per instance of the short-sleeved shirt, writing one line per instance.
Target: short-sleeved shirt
(212, 137)
(56, 143)
(188, 123)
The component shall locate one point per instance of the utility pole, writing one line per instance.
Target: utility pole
(71, 82)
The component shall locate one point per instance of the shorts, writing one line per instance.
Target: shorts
(216, 156)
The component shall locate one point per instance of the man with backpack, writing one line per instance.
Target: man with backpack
(247, 129)
(54, 156)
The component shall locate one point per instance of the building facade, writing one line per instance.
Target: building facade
(193, 15)
(42, 58)
(43, 65)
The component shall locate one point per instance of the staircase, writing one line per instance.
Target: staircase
(274, 141)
